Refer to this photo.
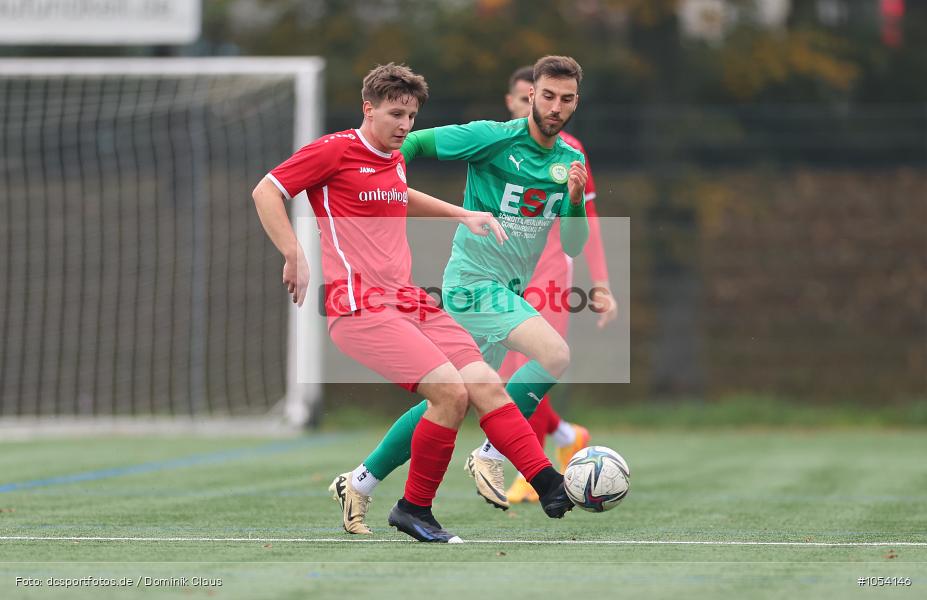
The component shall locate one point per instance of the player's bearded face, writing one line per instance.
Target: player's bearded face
(550, 125)
(553, 102)
(392, 121)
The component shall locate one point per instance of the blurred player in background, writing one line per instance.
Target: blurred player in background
(556, 267)
(523, 173)
(356, 184)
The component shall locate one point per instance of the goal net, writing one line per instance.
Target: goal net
(135, 278)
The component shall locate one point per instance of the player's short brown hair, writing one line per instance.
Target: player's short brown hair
(392, 82)
(525, 73)
(558, 67)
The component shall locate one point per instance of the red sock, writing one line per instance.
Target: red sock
(508, 431)
(432, 447)
(553, 419)
(538, 422)
(545, 420)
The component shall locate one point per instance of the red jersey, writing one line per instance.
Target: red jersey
(360, 198)
(553, 255)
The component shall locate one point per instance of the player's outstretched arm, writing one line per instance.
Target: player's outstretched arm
(480, 223)
(474, 141)
(269, 204)
(419, 143)
(574, 230)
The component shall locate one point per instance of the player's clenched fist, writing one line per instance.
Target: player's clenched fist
(576, 184)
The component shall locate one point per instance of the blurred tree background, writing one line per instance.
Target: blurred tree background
(770, 153)
(634, 52)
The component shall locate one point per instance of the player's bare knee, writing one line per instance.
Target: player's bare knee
(558, 360)
(479, 373)
(498, 396)
(454, 399)
(486, 397)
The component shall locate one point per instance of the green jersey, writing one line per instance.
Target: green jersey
(523, 184)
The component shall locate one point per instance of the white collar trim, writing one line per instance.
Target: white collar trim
(371, 148)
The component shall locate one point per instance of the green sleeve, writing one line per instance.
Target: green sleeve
(419, 143)
(475, 141)
(574, 228)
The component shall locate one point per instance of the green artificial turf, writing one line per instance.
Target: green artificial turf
(828, 486)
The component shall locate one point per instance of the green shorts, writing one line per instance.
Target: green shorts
(489, 311)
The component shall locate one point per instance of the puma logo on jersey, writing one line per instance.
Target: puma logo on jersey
(367, 170)
(517, 162)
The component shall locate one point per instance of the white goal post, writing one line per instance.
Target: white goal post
(176, 137)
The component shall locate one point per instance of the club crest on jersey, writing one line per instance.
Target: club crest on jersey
(559, 173)
(401, 172)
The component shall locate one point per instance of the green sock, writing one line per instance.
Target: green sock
(528, 386)
(396, 446)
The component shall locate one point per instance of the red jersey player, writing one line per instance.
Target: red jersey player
(356, 184)
(556, 267)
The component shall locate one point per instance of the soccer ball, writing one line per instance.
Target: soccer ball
(597, 479)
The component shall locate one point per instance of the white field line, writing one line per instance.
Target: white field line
(30, 538)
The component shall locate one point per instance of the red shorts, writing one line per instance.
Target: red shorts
(402, 347)
(550, 269)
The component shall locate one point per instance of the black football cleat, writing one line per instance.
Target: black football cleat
(423, 527)
(556, 503)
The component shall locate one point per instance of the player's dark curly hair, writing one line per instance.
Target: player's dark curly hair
(392, 82)
(558, 67)
(525, 73)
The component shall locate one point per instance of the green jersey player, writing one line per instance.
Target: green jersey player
(525, 175)
(525, 185)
